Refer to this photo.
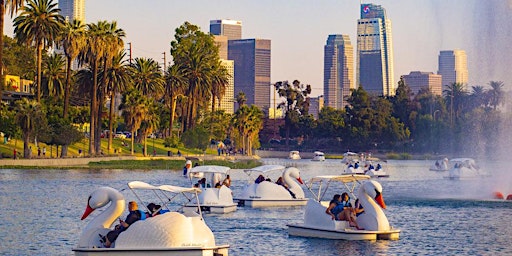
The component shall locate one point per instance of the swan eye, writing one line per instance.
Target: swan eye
(377, 193)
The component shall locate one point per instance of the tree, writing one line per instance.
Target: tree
(496, 93)
(54, 75)
(248, 121)
(220, 79)
(72, 38)
(18, 59)
(150, 123)
(198, 55)
(38, 23)
(12, 7)
(296, 104)
(146, 77)
(118, 80)
(28, 116)
(135, 108)
(241, 99)
(175, 85)
(456, 96)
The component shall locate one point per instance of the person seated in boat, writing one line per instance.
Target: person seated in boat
(134, 215)
(356, 165)
(379, 167)
(281, 183)
(218, 185)
(438, 165)
(259, 179)
(155, 209)
(347, 213)
(202, 183)
(358, 208)
(371, 167)
(268, 179)
(335, 207)
(227, 181)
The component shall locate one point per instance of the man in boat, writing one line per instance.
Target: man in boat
(134, 215)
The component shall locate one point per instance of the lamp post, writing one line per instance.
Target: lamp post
(434, 115)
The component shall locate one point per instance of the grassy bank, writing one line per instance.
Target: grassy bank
(160, 164)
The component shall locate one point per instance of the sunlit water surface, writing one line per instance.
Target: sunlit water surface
(41, 212)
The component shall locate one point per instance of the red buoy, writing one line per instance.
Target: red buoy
(499, 195)
(509, 197)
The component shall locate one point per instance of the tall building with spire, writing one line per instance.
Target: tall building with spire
(72, 9)
(375, 51)
(338, 71)
(453, 67)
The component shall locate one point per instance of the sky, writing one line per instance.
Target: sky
(299, 29)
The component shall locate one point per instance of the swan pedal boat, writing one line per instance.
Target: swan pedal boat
(211, 199)
(270, 194)
(464, 168)
(375, 172)
(294, 155)
(169, 233)
(320, 225)
(319, 156)
(440, 166)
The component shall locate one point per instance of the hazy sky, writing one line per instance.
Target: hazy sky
(299, 29)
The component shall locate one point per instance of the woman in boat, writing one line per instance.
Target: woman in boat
(335, 207)
(358, 208)
(348, 212)
(134, 215)
(227, 181)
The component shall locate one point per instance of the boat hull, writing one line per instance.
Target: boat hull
(181, 251)
(212, 208)
(255, 203)
(345, 234)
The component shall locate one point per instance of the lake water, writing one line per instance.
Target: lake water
(41, 212)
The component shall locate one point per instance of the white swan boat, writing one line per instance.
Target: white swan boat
(464, 168)
(268, 193)
(319, 224)
(294, 155)
(318, 156)
(353, 165)
(169, 233)
(440, 166)
(213, 199)
(375, 171)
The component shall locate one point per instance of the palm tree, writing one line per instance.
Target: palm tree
(54, 75)
(241, 99)
(496, 93)
(146, 77)
(12, 6)
(28, 117)
(150, 123)
(72, 39)
(175, 85)
(135, 108)
(118, 79)
(39, 23)
(92, 55)
(248, 122)
(455, 95)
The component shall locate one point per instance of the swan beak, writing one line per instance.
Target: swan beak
(380, 201)
(300, 180)
(87, 211)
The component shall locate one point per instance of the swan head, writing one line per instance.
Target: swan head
(374, 190)
(100, 198)
(294, 173)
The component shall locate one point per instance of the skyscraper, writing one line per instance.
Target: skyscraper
(417, 80)
(252, 70)
(453, 67)
(338, 70)
(72, 9)
(230, 28)
(227, 103)
(375, 51)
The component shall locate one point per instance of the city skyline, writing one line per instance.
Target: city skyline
(298, 29)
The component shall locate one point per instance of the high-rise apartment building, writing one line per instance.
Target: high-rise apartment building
(338, 70)
(375, 51)
(222, 42)
(230, 28)
(227, 103)
(453, 67)
(72, 9)
(417, 80)
(315, 105)
(252, 70)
